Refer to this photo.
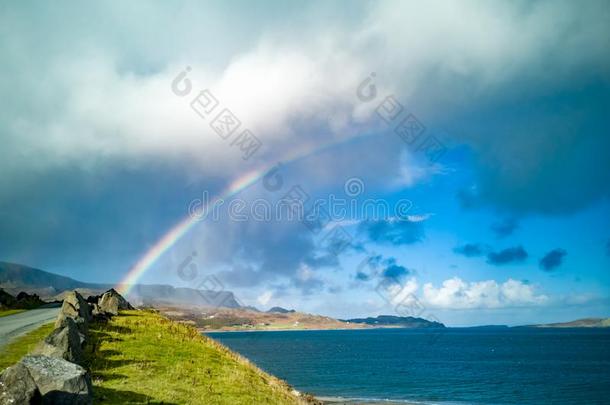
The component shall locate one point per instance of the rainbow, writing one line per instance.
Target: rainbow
(181, 228)
(178, 231)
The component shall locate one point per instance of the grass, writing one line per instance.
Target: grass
(7, 312)
(142, 357)
(16, 349)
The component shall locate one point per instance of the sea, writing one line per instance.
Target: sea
(436, 366)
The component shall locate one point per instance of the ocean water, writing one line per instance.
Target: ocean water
(455, 366)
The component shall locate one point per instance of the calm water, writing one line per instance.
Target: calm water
(463, 366)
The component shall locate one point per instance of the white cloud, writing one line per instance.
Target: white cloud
(274, 82)
(265, 297)
(458, 294)
(403, 294)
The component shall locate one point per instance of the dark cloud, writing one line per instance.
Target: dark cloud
(379, 266)
(369, 267)
(552, 259)
(471, 249)
(90, 224)
(510, 255)
(505, 227)
(271, 251)
(553, 158)
(393, 231)
(395, 271)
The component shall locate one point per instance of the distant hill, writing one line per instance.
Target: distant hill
(242, 319)
(15, 278)
(579, 323)
(280, 310)
(402, 321)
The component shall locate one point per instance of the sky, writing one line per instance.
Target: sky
(453, 158)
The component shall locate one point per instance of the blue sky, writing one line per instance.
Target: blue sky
(100, 158)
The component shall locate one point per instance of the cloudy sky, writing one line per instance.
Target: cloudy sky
(466, 145)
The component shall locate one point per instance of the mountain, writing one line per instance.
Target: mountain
(163, 294)
(579, 323)
(280, 310)
(15, 278)
(390, 320)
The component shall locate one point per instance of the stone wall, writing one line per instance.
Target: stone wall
(53, 373)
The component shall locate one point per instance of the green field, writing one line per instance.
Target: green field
(142, 357)
(15, 350)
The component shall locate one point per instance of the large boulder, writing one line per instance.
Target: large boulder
(58, 380)
(18, 387)
(75, 307)
(63, 343)
(111, 302)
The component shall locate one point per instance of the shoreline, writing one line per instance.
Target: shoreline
(282, 330)
(312, 329)
(364, 401)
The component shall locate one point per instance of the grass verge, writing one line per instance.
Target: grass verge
(16, 349)
(7, 312)
(142, 357)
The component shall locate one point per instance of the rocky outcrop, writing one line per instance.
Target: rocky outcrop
(111, 302)
(64, 342)
(58, 380)
(18, 387)
(75, 307)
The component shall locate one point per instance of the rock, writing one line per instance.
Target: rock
(58, 380)
(78, 302)
(111, 302)
(95, 309)
(18, 387)
(93, 299)
(63, 343)
(6, 299)
(81, 324)
(75, 307)
(27, 301)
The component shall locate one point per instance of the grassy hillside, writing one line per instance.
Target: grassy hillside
(16, 349)
(142, 357)
(579, 323)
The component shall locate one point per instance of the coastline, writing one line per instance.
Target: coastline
(289, 330)
(312, 329)
(363, 401)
